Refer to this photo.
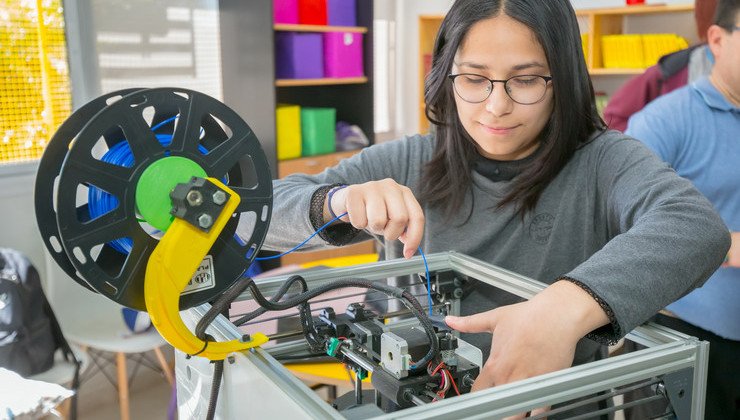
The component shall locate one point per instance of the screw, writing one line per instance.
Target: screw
(195, 198)
(232, 360)
(219, 197)
(205, 220)
(246, 338)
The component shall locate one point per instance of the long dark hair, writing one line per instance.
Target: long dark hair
(726, 13)
(574, 119)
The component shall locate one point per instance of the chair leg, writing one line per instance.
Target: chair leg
(165, 365)
(122, 385)
(63, 409)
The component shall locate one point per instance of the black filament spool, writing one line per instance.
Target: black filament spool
(233, 154)
(47, 176)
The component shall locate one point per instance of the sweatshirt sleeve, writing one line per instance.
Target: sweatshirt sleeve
(294, 195)
(666, 238)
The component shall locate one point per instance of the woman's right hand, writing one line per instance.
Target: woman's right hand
(381, 207)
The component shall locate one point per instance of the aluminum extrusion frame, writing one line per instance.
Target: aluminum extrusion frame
(257, 384)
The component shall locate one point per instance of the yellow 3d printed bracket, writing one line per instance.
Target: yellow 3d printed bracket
(171, 266)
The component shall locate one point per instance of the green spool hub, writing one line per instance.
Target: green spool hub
(154, 186)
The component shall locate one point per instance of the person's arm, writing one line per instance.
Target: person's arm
(300, 201)
(533, 337)
(666, 240)
(383, 207)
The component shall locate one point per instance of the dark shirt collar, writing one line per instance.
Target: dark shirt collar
(502, 170)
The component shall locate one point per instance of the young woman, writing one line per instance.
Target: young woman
(520, 172)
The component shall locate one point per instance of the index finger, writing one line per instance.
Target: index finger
(411, 238)
(481, 322)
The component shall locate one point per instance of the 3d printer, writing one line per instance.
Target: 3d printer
(142, 195)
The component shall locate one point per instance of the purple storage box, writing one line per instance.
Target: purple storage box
(343, 54)
(286, 11)
(341, 12)
(298, 55)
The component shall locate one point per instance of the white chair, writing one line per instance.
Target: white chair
(96, 324)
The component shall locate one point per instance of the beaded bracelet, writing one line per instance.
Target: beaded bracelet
(330, 195)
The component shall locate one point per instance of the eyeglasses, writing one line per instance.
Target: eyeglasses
(526, 89)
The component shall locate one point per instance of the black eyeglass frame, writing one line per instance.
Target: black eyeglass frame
(492, 81)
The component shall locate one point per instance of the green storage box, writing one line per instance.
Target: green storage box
(318, 130)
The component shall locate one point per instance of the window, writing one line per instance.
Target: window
(34, 77)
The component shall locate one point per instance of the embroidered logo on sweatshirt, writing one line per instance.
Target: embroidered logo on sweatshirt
(540, 227)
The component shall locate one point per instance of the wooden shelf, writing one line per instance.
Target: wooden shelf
(614, 72)
(319, 28)
(428, 28)
(320, 82)
(351, 97)
(611, 21)
(636, 10)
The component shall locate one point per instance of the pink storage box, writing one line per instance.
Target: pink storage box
(343, 54)
(285, 11)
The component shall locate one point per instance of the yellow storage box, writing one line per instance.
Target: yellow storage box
(288, 131)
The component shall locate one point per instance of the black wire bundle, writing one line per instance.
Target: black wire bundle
(301, 301)
(406, 298)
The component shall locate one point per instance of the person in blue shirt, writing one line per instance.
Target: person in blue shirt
(696, 129)
(672, 71)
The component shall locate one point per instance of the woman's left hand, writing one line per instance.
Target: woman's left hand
(534, 337)
(733, 255)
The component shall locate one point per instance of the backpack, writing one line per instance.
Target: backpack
(29, 331)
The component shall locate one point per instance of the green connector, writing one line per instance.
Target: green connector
(333, 346)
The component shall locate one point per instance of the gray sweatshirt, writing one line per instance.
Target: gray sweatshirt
(616, 221)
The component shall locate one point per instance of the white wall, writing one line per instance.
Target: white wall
(18, 228)
(407, 59)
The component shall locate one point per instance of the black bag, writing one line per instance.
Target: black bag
(29, 333)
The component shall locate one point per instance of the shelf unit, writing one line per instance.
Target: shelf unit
(353, 100)
(351, 97)
(611, 21)
(324, 81)
(320, 82)
(428, 28)
(595, 22)
(252, 90)
(318, 28)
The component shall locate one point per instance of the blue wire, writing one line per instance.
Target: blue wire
(423, 257)
(164, 122)
(429, 284)
(304, 242)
